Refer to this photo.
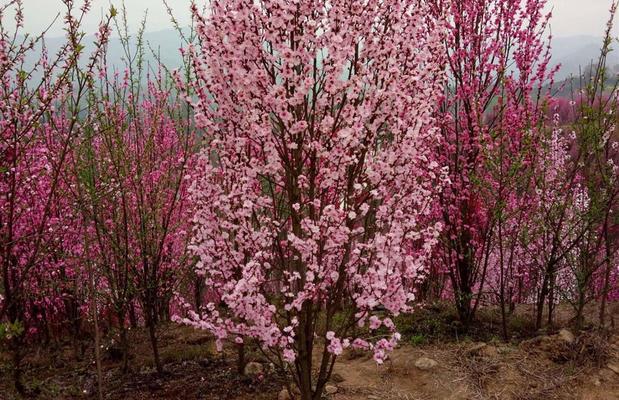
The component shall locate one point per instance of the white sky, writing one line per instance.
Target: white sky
(39, 14)
(579, 17)
(570, 17)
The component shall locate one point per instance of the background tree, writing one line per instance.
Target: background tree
(39, 107)
(132, 167)
(497, 61)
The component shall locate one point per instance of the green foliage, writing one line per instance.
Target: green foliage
(433, 322)
(417, 340)
(10, 330)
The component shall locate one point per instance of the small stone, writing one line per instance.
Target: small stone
(425, 363)
(330, 389)
(476, 348)
(284, 395)
(337, 378)
(372, 397)
(253, 369)
(566, 336)
(614, 368)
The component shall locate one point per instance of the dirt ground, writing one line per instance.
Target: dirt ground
(495, 372)
(544, 366)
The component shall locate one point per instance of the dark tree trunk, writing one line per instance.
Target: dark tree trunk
(240, 362)
(124, 343)
(607, 273)
(152, 332)
(133, 319)
(15, 316)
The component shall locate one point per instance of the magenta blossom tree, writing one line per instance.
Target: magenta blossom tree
(38, 122)
(315, 182)
(131, 170)
(497, 63)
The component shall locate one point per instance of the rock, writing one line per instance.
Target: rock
(566, 336)
(425, 363)
(476, 349)
(284, 395)
(484, 350)
(372, 397)
(613, 367)
(330, 389)
(253, 369)
(337, 378)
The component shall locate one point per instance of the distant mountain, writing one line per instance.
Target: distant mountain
(571, 52)
(576, 52)
(164, 45)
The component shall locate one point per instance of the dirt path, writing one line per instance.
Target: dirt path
(400, 379)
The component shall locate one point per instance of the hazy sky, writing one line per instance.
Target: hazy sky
(570, 17)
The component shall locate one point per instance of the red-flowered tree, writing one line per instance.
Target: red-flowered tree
(497, 63)
(316, 182)
(132, 167)
(38, 121)
(585, 238)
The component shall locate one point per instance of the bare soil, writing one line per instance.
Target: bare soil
(533, 366)
(507, 372)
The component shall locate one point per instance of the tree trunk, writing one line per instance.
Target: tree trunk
(198, 292)
(504, 322)
(152, 332)
(305, 340)
(240, 362)
(542, 296)
(15, 317)
(151, 321)
(579, 318)
(463, 306)
(95, 317)
(463, 293)
(16, 344)
(124, 344)
(133, 320)
(550, 308)
(551, 300)
(607, 273)
(540, 306)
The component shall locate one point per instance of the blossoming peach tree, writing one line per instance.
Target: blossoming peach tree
(497, 68)
(313, 200)
(38, 122)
